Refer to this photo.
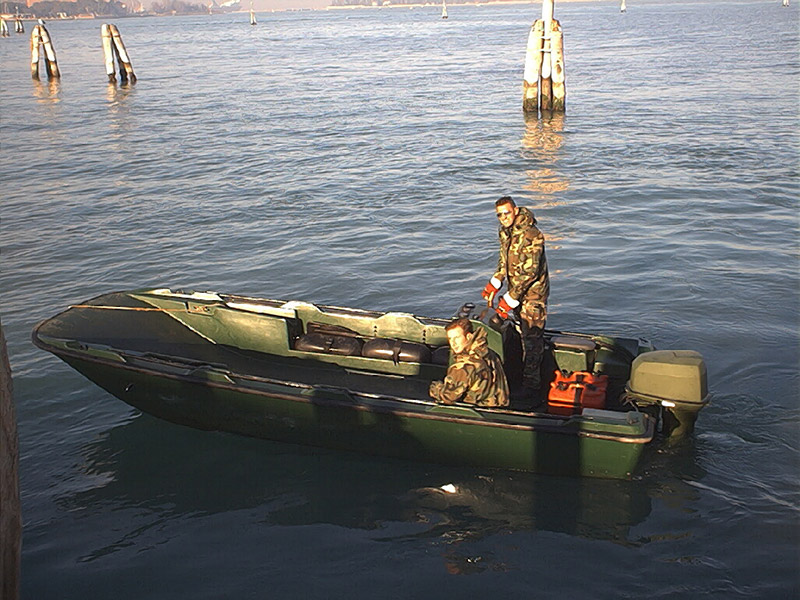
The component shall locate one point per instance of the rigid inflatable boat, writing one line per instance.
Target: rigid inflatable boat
(358, 380)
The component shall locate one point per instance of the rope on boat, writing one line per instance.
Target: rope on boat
(134, 308)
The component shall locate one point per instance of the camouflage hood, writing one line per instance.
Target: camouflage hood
(523, 221)
(478, 346)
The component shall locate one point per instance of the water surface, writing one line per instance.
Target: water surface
(353, 158)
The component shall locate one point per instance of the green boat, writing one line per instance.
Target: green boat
(358, 380)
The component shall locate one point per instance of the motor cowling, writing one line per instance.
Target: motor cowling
(675, 380)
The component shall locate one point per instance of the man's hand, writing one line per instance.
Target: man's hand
(491, 289)
(506, 305)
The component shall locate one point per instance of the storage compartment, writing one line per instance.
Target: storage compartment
(570, 393)
(396, 350)
(328, 344)
(573, 353)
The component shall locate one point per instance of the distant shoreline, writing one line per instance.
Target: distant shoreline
(434, 4)
(431, 4)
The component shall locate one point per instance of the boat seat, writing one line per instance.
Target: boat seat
(329, 344)
(396, 350)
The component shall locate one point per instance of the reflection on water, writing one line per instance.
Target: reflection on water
(162, 472)
(117, 94)
(47, 91)
(541, 144)
(118, 97)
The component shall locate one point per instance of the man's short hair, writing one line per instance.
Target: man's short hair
(505, 200)
(462, 323)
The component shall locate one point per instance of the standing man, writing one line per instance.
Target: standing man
(523, 266)
(476, 375)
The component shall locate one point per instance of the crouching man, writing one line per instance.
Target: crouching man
(476, 375)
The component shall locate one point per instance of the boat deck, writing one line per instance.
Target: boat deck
(135, 327)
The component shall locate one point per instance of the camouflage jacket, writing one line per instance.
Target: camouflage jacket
(475, 377)
(522, 263)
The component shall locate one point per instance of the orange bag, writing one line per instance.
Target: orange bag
(571, 392)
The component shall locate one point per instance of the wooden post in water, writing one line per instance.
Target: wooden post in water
(49, 52)
(533, 67)
(544, 85)
(557, 75)
(113, 48)
(10, 511)
(41, 38)
(3, 28)
(108, 53)
(35, 41)
(125, 68)
(18, 26)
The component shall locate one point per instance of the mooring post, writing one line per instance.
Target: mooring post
(557, 74)
(18, 26)
(544, 81)
(108, 53)
(10, 511)
(125, 68)
(35, 41)
(546, 85)
(40, 36)
(3, 28)
(533, 67)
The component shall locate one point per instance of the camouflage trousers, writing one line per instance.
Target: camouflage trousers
(532, 315)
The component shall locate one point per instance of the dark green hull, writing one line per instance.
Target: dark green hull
(331, 419)
(177, 373)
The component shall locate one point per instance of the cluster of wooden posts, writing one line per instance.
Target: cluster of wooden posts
(114, 52)
(544, 85)
(40, 40)
(18, 27)
(113, 48)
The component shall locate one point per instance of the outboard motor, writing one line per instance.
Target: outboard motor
(676, 381)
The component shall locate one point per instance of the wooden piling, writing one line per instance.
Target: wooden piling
(557, 75)
(18, 26)
(51, 62)
(3, 28)
(10, 508)
(533, 67)
(35, 41)
(108, 53)
(544, 80)
(125, 68)
(41, 38)
(545, 83)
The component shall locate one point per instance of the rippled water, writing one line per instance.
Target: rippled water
(352, 158)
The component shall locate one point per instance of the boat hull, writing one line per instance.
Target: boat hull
(334, 419)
